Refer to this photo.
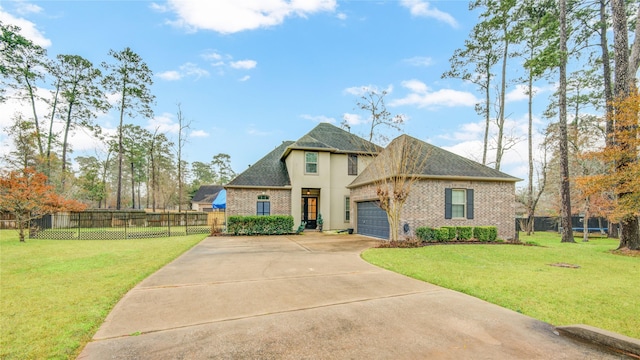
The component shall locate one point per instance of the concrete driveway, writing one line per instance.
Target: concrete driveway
(311, 297)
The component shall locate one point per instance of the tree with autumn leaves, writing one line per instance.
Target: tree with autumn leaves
(26, 194)
(619, 185)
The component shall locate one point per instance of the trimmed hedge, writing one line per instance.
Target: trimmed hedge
(448, 233)
(442, 234)
(464, 232)
(452, 232)
(485, 233)
(260, 225)
(426, 233)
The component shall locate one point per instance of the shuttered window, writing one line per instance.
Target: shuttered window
(458, 203)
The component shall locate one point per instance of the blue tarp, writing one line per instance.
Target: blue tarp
(220, 202)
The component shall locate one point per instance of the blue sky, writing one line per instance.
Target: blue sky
(250, 74)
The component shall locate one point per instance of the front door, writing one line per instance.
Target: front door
(310, 211)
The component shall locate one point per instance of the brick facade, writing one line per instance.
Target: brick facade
(494, 203)
(244, 201)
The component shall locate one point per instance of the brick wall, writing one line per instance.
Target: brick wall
(493, 205)
(243, 201)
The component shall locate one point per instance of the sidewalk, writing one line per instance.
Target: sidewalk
(311, 296)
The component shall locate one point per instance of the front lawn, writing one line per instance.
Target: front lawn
(54, 294)
(603, 292)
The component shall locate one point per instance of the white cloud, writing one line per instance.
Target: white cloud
(353, 119)
(199, 134)
(361, 90)
(158, 7)
(519, 93)
(23, 8)
(212, 55)
(319, 118)
(231, 16)
(164, 124)
(419, 61)
(243, 64)
(424, 9)
(244, 78)
(341, 16)
(185, 70)
(469, 143)
(27, 29)
(171, 75)
(421, 96)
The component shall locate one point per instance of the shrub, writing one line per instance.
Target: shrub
(260, 225)
(425, 233)
(442, 234)
(464, 232)
(485, 233)
(452, 232)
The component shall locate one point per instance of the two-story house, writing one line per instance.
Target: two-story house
(305, 178)
(328, 172)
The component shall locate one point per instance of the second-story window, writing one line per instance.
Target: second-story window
(311, 162)
(353, 164)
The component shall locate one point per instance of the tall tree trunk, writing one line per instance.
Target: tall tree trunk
(35, 116)
(565, 192)
(133, 188)
(67, 127)
(530, 209)
(50, 135)
(606, 70)
(487, 115)
(120, 147)
(624, 79)
(503, 89)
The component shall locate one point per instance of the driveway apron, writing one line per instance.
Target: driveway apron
(311, 296)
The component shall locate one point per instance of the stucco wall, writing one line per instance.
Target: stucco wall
(244, 201)
(332, 180)
(493, 205)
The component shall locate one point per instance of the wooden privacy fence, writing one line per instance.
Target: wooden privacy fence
(113, 225)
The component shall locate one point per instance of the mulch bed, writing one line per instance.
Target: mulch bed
(416, 243)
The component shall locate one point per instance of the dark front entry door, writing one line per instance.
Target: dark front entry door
(310, 211)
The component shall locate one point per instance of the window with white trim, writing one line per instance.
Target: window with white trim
(347, 209)
(310, 162)
(458, 203)
(263, 206)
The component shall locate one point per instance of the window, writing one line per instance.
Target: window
(347, 209)
(264, 206)
(353, 165)
(458, 203)
(311, 162)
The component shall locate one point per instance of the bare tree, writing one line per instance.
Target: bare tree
(183, 126)
(393, 173)
(372, 102)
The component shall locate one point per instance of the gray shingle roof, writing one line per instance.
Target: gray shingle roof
(270, 171)
(206, 193)
(332, 138)
(435, 162)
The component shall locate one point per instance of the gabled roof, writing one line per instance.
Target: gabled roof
(270, 171)
(206, 193)
(327, 137)
(435, 163)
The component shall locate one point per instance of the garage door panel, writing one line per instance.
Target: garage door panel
(372, 221)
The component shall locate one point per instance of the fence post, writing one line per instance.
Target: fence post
(186, 223)
(126, 220)
(168, 223)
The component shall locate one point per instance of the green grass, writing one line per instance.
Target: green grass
(604, 292)
(54, 294)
